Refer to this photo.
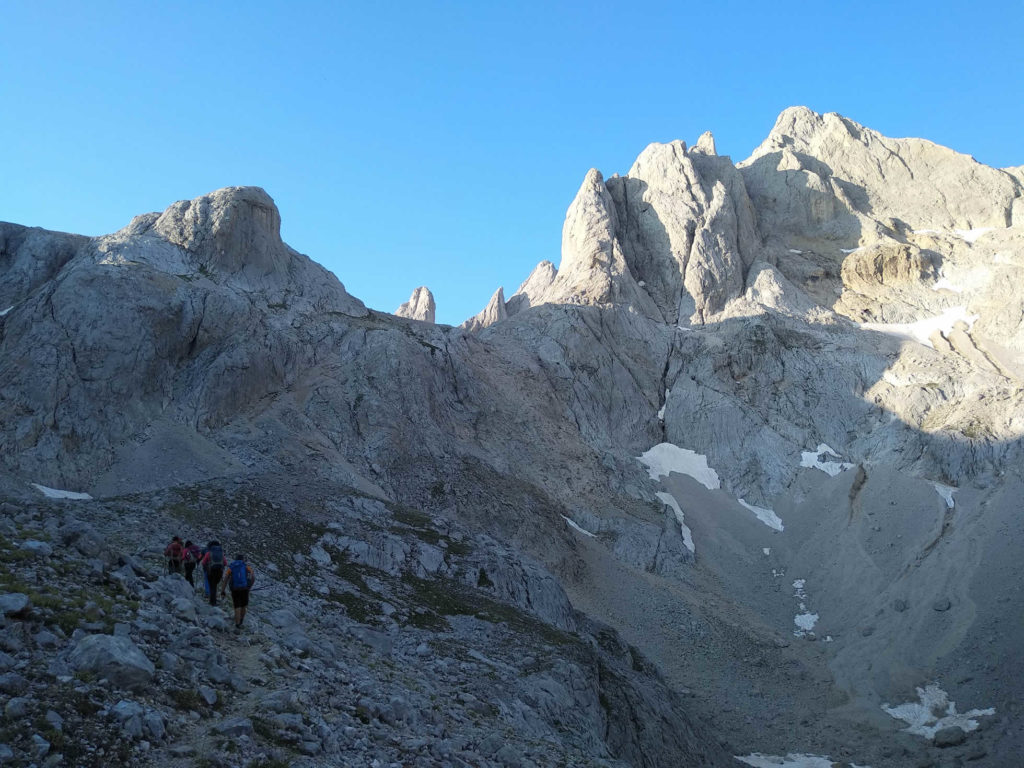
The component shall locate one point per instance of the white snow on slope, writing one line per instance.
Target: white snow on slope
(55, 493)
(4, 312)
(765, 515)
(945, 284)
(849, 250)
(946, 492)
(575, 527)
(661, 411)
(665, 458)
(925, 231)
(792, 760)
(670, 500)
(920, 330)
(970, 235)
(805, 620)
(814, 460)
(794, 250)
(934, 712)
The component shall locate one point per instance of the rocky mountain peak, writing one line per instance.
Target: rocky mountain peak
(232, 230)
(420, 306)
(491, 314)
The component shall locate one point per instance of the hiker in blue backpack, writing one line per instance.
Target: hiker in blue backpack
(240, 578)
(213, 567)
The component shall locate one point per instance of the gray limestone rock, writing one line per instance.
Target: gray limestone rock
(14, 604)
(116, 658)
(494, 312)
(420, 306)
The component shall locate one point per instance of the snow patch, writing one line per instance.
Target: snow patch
(576, 527)
(661, 411)
(792, 760)
(765, 515)
(665, 458)
(934, 712)
(670, 501)
(849, 250)
(921, 329)
(56, 493)
(4, 312)
(946, 492)
(970, 235)
(816, 459)
(945, 285)
(767, 551)
(794, 250)
(925, 231)
(805, 620)
(1001, 258)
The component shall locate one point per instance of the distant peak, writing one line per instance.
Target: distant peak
(420, 306)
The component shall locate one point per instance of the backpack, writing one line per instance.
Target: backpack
(175, 550)
(239, 575)
(216, 556)
(191, 554)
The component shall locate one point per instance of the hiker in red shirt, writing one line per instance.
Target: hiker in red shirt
(174, 553)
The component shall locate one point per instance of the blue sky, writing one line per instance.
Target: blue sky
(440, 143)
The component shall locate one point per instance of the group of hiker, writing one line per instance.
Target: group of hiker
(218, 574)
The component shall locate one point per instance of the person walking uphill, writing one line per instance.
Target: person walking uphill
(240, 578)
(213, 567)
(174, 552)
(191, 560)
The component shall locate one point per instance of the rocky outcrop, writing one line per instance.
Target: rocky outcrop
(825, 175)
(420, 306)
(672, 240)
(494, 312)
(533, 287)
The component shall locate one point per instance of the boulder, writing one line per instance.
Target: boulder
(116, 658)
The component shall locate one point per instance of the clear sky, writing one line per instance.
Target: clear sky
(439, 143)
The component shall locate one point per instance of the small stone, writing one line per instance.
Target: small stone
(17, 707)
(154, 725)
(942, 604)
(42, 746)
(899, 605)
(234, 727)
(207, 694)
(423, 650)
(55, 720)
(45, 639)
(14, 604)
(13, 684)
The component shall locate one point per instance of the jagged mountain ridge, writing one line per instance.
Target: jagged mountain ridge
(228, 368)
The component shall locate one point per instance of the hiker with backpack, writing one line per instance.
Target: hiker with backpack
(174, 553)
(191, 558)
(213, 568)
(240, 578)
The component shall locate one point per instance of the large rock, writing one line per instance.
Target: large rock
(420, 306)
(489, 315)
(117, 659)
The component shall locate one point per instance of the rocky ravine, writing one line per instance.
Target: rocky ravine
(815, 354)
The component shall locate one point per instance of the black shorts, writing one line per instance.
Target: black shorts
(240, 598)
